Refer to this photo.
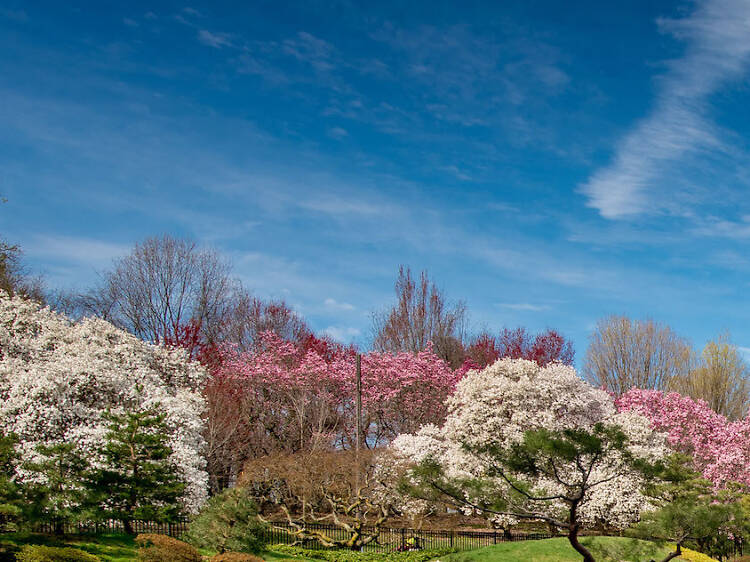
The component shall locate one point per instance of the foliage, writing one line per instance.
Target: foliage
(625, 354)
(161, 548)
(526, 442)
(109, 548)
(689, 510)
(421, 315)
(694, 556)
(228, 522)
(40, 553)
(10, 495)
(136, 480)
(719, 448)
(235, 557)
(57, 379)
(57, 488)
(338, 555)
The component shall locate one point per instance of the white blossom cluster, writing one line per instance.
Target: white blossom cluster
(497, 405)
(57, 378)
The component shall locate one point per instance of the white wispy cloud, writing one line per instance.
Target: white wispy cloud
(215, 39)
(717, 37)
(525, 306)
(723, 228)
(342, 333)
(312, 50)
(337, 133)
(336, 305)
(79, 250)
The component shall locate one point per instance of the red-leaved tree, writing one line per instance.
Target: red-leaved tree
(544, 348)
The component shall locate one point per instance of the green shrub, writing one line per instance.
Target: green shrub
(339, 555)
(161, 548)
(39, 553)
(235, 557)
(8, 551)
(228, 523)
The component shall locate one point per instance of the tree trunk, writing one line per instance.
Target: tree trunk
(674, 554)
(128, 526)
(573, 539)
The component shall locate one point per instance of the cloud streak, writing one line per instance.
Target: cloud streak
(717, 37)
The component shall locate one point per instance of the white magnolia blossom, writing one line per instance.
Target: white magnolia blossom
(497, 405)
(57, 378)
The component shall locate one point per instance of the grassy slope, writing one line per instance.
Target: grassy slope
(559, 550)
(121, 548)
(110, 548)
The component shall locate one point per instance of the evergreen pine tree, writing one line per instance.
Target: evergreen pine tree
(137, 481)
(10, 497)
(59, 499)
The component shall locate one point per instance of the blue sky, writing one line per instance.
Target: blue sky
(547, 162)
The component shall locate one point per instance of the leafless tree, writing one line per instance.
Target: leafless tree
(625, 353)
(250, 317)
(721, 378)
(421, 315)
(14, 276)
(334, 487)
(163, 284)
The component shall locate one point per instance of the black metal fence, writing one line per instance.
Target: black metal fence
(393, 540)
(389, 539)
(175, 529)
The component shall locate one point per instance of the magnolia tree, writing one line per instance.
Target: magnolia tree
(524, 442)
(299, 397)
(720, 449)
(57, 379)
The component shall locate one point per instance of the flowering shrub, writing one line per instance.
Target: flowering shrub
(695, 556)
(58, 378)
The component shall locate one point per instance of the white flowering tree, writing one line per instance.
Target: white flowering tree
(57, 379)
(523, 442)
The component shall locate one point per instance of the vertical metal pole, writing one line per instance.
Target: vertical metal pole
(359, 404)
(359, 425)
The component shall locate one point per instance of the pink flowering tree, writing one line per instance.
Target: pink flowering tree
(298, 396)
(719, 448)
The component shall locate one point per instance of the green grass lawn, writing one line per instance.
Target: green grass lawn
(109, 548)
(121, 548)
(606, 549)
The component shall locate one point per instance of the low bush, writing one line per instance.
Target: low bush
(161, 548)
(40, 553)
(338, 555)
(695, 556)
(8, 551)
(235, 557)
(228, 523)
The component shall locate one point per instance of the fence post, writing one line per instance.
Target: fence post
(451, 538)
(494, 536)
